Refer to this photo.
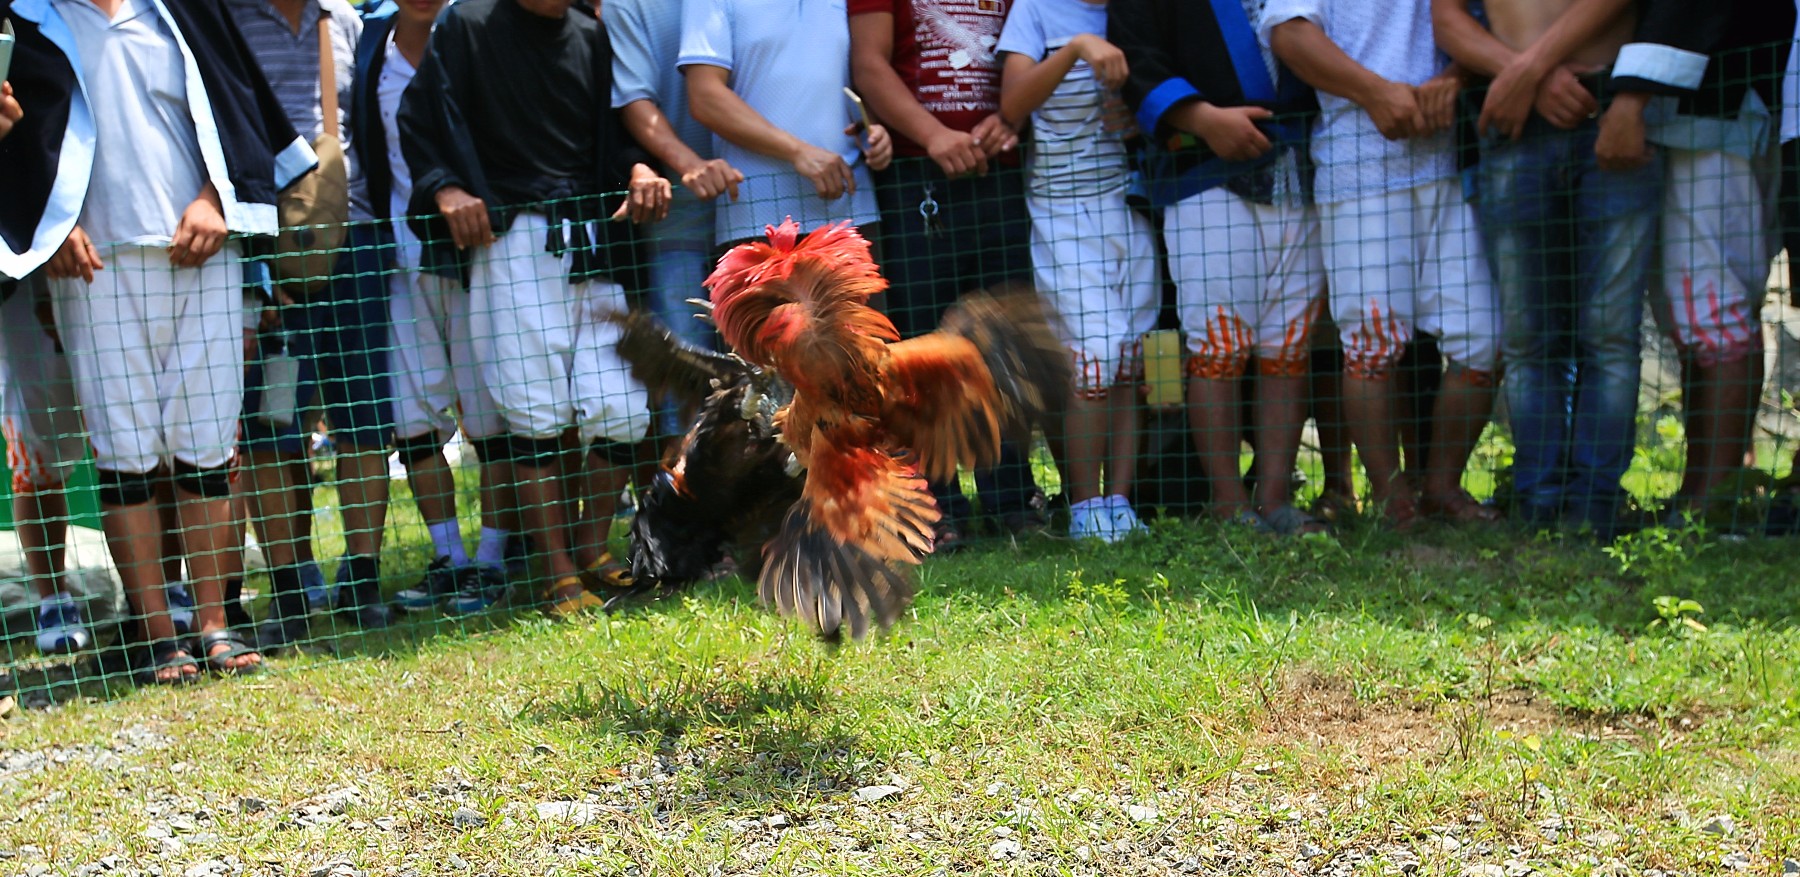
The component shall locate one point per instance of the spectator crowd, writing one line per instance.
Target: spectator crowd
(1383, 217)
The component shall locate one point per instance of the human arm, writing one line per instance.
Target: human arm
(878, 148)
(10, 111)
(716, 106)
(200, 233)
(1026, 83)
(707, 178)
(1537, 77)
(646, 196)
(1303, 46)
(872, 69)
(1623, 143)
(77, 257)
(434, 140)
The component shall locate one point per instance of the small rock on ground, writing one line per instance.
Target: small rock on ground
(871, 794)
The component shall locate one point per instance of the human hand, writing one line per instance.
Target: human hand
(1437, 102)
(712, 178)
(1622, 144)
(829, 174)
(879, 149)
(10, 111)
(647, 199)
(1394, 109)
(1563, 101)
(1117, 118)
(994, 136)
(467, 217)
(1510, 97)
(1105, 58)
(200, 233)
(77, 257)
(1230, 132)
(957, 152)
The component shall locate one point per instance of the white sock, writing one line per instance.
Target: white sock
(492, 550)
(446, 537)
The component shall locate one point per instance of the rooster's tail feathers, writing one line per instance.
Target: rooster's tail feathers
(828, 584)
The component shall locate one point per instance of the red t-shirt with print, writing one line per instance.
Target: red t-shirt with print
(944, 52)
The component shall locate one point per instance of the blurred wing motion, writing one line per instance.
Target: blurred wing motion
(666, 365)
(730, 479)
(869, 418)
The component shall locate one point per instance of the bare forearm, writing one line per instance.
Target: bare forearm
(716, 106)
(1466, 40)
(888, 97)
(1026, 84)
(645, 121)
(1579, 24)
(1318, 61)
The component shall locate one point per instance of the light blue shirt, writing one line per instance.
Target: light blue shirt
(147, 162)
(646, 38)
(790, 61)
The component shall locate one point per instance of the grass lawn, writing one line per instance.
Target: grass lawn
(1199, 701)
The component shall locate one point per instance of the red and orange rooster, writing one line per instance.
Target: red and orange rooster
(870, 417)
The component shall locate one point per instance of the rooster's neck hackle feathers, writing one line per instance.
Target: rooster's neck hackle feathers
(767, 296)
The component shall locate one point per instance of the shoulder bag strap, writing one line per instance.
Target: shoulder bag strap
(328, 93)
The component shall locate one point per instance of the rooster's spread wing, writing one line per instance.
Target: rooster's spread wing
(993, 369)
(664, 363)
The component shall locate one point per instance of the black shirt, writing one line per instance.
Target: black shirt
(532, 105)
(515, 108)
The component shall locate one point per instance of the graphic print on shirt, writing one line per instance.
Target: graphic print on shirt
(957, 67)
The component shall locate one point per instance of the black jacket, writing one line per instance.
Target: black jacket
(1182, 50)
(1742, 44)
(436, 116)
(48, 156)
(365, 108)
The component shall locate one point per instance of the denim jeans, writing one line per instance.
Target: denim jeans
(1570, 246)
(680, 254)
(340, 334)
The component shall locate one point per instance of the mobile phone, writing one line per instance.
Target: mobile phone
(861, 109)
(6, 47)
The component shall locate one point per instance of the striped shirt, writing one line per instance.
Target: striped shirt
(1073, 155)
(290, 61)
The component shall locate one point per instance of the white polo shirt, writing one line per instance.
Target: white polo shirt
(147, 163)
(790, 61)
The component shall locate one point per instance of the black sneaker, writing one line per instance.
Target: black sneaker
(359, 592)
(279, 634)
(479, 586)
(436, 586)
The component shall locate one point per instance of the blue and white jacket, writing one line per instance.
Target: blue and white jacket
(249, 149)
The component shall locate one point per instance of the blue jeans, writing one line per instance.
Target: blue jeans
(341, 336)
(1570, 246)
(680, 256)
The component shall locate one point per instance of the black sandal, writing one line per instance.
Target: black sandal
(238, 648)
(168, 654)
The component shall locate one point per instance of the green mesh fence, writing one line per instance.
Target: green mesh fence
(1520, 340)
